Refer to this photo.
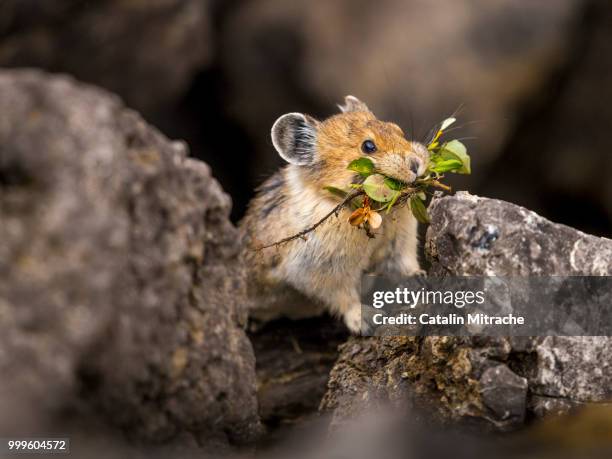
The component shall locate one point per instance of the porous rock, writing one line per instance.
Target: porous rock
(119, 287)
(470, 235)
(493, 382)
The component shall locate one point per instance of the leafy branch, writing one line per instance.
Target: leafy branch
(382, 193)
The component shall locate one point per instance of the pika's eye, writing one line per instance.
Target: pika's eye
(368, 147)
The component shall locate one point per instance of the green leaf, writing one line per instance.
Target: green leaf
(447, 165)
(457, 151)
(394, 184)
(336, 191)
(418, 209)
(376, 188)
(363, 166)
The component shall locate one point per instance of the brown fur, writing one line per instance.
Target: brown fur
(327, 267)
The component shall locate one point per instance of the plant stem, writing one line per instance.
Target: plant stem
(302, 234)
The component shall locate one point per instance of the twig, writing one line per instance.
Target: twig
(441, 185)
(302, 234)
(405, 196)
(407, 193)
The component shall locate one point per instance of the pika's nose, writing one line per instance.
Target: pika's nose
(414, 166)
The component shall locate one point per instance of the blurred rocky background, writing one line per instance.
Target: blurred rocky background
(530, 80)
(121, 299)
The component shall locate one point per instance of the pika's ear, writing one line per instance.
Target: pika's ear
(294, 136)
(352, 104)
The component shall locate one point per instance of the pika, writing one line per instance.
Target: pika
(326, 267)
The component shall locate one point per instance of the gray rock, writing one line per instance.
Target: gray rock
(477, 236)
(147, 52)
(119, 287)
(494, 382)
(504, 393)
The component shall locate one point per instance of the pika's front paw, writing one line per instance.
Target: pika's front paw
(352, 319)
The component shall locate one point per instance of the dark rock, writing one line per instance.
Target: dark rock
(504, 393)
(495, 382)
(119, 284)
(294, 358)
(370, 371)
(147, 52)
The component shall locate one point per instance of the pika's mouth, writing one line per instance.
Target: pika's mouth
(405, 165)
(402, 167)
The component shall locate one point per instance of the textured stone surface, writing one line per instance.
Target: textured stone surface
(504, 393)
(495, 382)
(119, 288)
(472, 235)
(146, 51)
